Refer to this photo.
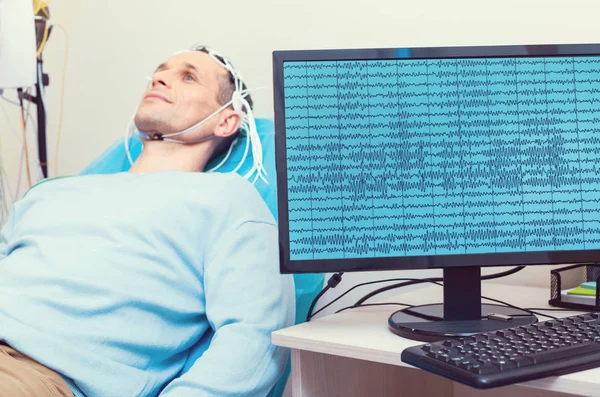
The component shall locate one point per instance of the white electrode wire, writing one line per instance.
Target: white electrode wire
(256, 151)
(226, 156)
(128, 133)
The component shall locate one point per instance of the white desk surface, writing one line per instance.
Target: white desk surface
(363, 333)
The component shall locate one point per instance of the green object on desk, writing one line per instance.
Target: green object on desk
(582, 291)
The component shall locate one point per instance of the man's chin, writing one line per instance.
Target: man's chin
(145, 121)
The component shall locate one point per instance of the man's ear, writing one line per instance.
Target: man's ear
(229, 123)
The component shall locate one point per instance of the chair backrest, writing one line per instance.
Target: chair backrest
(307, 286)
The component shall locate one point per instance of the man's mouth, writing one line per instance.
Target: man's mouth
(154, 95)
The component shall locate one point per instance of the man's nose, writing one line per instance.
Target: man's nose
(162, 79)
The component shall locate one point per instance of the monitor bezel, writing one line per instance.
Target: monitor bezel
(407, 262)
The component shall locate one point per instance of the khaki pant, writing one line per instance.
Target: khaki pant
(21, 376)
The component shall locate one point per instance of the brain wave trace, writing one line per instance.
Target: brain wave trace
(400, 158)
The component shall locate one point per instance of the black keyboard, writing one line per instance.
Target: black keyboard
(514, 355)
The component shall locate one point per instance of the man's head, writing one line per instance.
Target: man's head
(186, 89)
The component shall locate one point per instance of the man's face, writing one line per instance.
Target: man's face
(184, 90)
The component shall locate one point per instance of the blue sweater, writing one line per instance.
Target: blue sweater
(114, 280)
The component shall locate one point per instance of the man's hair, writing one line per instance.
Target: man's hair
(226, 90)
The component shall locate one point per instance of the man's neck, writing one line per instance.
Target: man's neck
(170, 156)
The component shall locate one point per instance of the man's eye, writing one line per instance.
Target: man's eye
(190, 77)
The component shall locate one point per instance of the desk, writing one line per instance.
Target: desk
(353, 354)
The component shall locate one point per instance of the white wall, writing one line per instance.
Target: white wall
(115, 43)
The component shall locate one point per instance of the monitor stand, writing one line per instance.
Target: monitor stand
(462, 313)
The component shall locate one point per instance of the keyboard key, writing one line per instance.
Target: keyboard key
(467, 365)
(456, 360)
(521, 361)
(565, 352)
(483, 369)
(504, 365)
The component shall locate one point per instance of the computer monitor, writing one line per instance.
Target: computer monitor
(453, 158)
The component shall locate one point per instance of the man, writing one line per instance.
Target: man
(110, 282)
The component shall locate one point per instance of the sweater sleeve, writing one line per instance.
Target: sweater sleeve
(246, 300)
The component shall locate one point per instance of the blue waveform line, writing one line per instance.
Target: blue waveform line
(366, 186)
(485, 163)
(366, 245)
(351, 223)
(452, 122)
(362, 243)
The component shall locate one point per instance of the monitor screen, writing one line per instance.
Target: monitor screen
(402, 159)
